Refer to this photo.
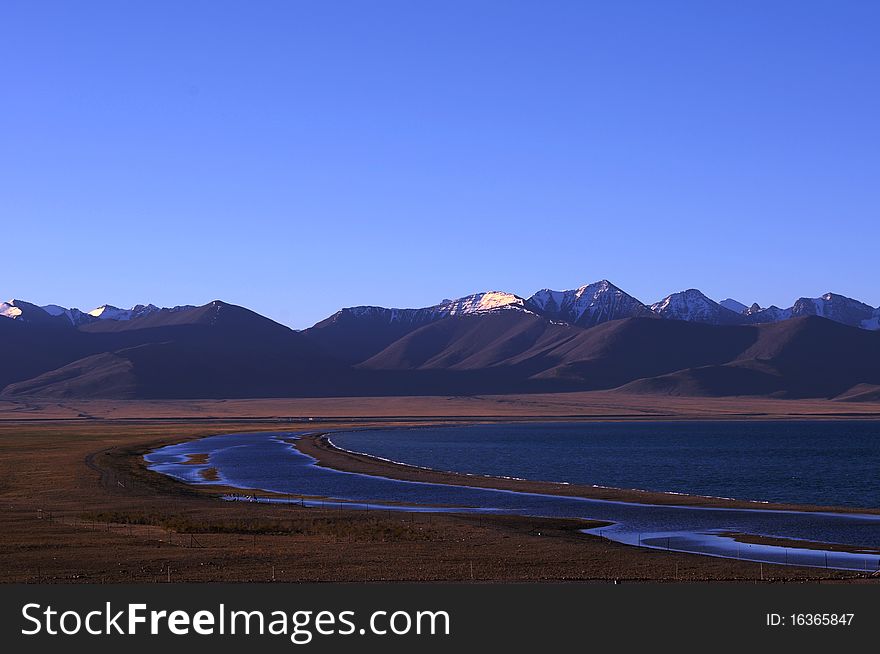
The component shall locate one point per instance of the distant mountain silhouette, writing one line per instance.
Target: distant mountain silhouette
(217, 350)
(485, 343)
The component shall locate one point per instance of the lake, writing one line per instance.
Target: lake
(821, 463)
(268, 461)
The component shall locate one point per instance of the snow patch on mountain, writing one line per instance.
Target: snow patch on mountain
(587, 305)
(835, 307)
(872, 323)
(109, 312)
(757, 315)
(478, 303)
(27, 312)
(74, 316)
(687, 305)
(549, 301)
(693, 306)
(9, 310)
(59, 315)
(481, 303)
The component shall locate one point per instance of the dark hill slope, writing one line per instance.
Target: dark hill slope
(219, 350)
(546, 354)
(223, 351)
(106, 375)
(473, 343)
(802, 357)
(620, 351)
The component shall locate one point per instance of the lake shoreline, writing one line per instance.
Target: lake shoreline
(320, 447)
(97, 496)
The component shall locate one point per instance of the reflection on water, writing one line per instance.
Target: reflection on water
(265, 461)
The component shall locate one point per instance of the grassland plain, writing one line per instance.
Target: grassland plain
(77, 503)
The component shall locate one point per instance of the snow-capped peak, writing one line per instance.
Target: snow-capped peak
(109, 312)
(835, 307)
(56, 314)
(548, 300)
(693, 306)
(757, 314)
(587, 305)
(481, 303)
(74, 316)
(553, 301)
(478, 303)
(28, 313)
(684, 305)
(10, 310)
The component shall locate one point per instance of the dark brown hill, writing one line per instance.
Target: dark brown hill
(223, 351)
(474, 342)
(218, 350)
(107, 376)
(353, 337)
(802, 357)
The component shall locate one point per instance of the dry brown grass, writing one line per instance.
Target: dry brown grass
(599, 404)
(77, 504)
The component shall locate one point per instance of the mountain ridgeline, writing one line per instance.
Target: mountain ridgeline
(596, 337)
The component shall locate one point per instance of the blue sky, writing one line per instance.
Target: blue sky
(297, 157)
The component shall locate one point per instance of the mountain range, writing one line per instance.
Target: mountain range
(595, 337)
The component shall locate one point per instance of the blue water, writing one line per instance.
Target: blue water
(268, 462)
(819, 463)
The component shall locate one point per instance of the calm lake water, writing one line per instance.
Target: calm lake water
(268, 461)
(824, 463)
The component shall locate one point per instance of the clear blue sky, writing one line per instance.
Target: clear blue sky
(296, 157)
